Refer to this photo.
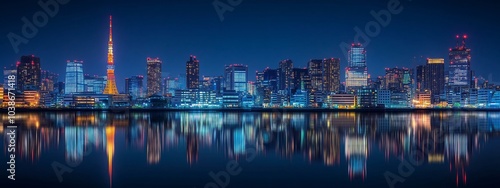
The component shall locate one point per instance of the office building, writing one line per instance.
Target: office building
(285, 74)
(154, 76)
(331, 75)
(134, 87)
(29, 74)
(74, 82)
(192, 73)
(236, 78)
(357, 72)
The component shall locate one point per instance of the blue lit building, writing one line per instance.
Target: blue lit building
(384, 98)
(460, 75)
(231, 99)
(236, 77)
(285, 73)
(95, 84)
(367, 97)
(75, 80)
(300, 99)
(357, 71)
(134, 87)
(315, 68)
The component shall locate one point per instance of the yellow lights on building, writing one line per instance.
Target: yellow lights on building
(342, 101)
(435, 61)
(423, 100)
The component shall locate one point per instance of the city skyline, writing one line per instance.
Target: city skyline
(435, 44)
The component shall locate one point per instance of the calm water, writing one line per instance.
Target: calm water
(189, 149)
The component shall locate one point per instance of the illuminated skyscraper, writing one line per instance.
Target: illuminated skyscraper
(433, 79)
(315, 67)
(192, 73)
(285, 74)
(298, 77)
(236, 77)
(460, 74)
(49, 79)
(357, 72)
(154, 76)
(111, 83)
(331, 75)
(74, 81)
(29, 74)
(134, 86)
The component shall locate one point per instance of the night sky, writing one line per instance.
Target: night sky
(259, 33)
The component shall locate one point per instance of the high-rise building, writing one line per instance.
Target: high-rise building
(74, 82)
(29, 74)
(420, 74)
(236, 77)
(433, 78)
(111, 88)
(134, 86)
(393, 79)
(460, 80)
(171, 84)
(357, 72)
(49, 79)
(331, 75)
(192, 73)
(268, 79)
(285, 74)
(399, 81)
(154, 76)
(315, 67)
(298, 77)
(460, 74)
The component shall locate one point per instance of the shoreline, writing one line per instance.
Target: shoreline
(284, 110)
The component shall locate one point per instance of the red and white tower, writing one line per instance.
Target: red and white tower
(111, 84)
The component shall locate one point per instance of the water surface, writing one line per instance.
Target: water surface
(189, 149)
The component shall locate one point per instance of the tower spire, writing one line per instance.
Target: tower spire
(111, 83)
(110, 28)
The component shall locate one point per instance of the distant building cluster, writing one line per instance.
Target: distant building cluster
(433, 84)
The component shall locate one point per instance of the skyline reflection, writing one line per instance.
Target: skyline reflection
(329, 139)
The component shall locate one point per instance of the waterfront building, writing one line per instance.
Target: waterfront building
(75, 80)
(192, 73)
(29, 74)
(154, 66)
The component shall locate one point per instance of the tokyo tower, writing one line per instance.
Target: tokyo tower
(111, 84)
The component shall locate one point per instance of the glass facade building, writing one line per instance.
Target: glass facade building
(236, 77)
(357, 72)
(460, 74)
(75, 80)
(134, 86)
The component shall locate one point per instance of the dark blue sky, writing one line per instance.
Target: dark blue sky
(259, 33)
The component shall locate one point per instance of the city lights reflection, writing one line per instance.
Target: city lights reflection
(320, 138)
